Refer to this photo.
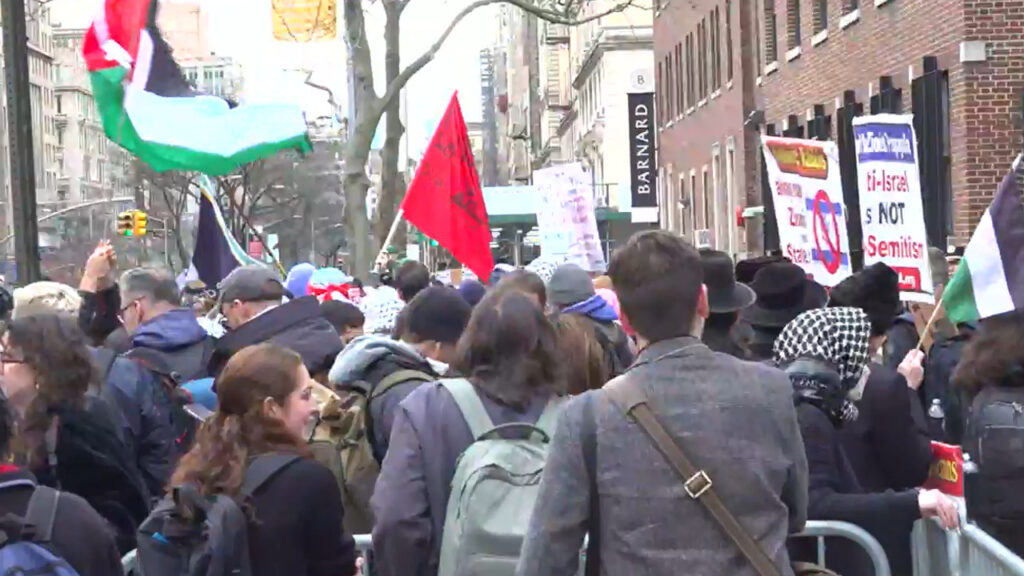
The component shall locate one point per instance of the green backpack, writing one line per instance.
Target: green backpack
(495, 486)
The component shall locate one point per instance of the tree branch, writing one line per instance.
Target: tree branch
(546, 14)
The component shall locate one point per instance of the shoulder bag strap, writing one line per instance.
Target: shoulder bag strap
(396, 378)
(548, 420)
(633, 401)
(470, 405)
(263, 468)
(42, 512)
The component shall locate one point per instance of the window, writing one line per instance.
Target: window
(671, 92)
(659, 104)
(60, 104)
(680, 96)
(850, 6)
(820, 15)
(707, 201)
(693, 198)
(728, 40)
(756, 14)
(793, 23)
(771, 30)
(702, 57)
(716, 50)
(691, 80)
(730, 189)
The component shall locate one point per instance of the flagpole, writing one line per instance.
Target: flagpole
(391, 234)
(931, 321)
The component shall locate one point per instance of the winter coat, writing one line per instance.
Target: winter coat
(612, 336)
(296, 324)
(97, 316)
(943, 358)
(834, 493)
(131, 389)
(736, 421)
(901, 338)
(411, 496)
(371, 359)
(888, 445)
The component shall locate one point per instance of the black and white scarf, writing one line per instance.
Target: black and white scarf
(838, 336)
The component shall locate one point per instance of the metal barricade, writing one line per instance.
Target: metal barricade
(967, 552)
(820, 529)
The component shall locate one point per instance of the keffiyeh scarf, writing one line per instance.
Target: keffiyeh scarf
(838, 336)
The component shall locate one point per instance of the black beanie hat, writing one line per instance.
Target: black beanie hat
(438, 313)
(876, 291)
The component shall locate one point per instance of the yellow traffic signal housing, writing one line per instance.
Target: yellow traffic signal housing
(125, 223)
(139, 222)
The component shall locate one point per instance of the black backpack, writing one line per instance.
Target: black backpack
(85, 456)
(189, 534)
(173, 369)
(995, 442)
(26, 546)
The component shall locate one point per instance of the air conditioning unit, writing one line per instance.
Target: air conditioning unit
(703, 238)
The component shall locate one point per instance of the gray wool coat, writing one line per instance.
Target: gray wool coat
(733, 418)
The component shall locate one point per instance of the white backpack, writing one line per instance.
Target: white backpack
(494, 489)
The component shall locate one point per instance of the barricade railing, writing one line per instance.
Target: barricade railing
(814, 529)
(969, 551)
(821, 529)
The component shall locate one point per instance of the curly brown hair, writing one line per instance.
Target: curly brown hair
(994, 356)
(581, 352)
(54, 347)
(241, 430)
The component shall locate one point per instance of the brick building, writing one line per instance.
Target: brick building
(957, 65)
(705, 77)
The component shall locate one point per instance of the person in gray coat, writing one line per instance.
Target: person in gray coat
(733, 418)
(509, 354)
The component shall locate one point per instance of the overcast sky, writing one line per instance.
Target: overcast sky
(241, 29)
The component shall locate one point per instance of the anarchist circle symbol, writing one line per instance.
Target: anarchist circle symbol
(831, 258)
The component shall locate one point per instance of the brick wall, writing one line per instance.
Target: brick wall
(686, 138)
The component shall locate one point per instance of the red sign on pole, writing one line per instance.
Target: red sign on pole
(947, 471)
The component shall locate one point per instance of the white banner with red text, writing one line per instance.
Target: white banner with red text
(807, 192)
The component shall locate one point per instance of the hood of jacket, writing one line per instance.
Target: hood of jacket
(595, 308)
(169, 331)
(296, 324)
(364, 352)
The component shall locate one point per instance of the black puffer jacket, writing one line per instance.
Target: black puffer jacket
(296, 325)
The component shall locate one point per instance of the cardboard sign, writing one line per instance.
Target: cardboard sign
(891, 209)
(947, 470)
(807, 192)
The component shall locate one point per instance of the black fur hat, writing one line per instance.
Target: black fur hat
(876, 291)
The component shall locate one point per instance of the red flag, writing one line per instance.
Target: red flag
(445, 201)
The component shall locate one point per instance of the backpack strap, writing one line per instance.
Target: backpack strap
(42, 512)
(396, 378)
(470, 405)
(549, 417)
(263, 469)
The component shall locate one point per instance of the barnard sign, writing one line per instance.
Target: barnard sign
(642, 167)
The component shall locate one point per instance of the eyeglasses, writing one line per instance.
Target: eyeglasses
(120, 313)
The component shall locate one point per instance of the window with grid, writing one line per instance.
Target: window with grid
(728, 40)
(793, 23)
(771, 30)
(820, 15)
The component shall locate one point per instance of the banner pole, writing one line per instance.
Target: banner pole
(391, 234)
(931, 321)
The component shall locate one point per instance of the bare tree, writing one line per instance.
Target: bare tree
(369, 106)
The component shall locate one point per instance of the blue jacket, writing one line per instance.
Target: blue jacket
(131, 389)
(169, 331)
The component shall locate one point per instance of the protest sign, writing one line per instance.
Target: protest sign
(566, 218)
(808, 196)
(891, 210)
(946, 473)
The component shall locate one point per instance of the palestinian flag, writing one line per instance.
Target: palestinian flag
(990, 278)
(149, 108)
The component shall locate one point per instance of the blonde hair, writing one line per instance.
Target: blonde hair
(51, 296)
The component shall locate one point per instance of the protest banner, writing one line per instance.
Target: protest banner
(891, 209)
(946, 473)
(807, 192)
(566, 218)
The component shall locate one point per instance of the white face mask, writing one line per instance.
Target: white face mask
(857, 392)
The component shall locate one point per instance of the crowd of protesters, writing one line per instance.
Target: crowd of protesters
(795, 403)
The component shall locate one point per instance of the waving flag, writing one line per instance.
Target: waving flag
(990, 278)
(445, 201)
(149, 108)
(217, 252)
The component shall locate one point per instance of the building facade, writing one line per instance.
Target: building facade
(806, 68)
(705, 77)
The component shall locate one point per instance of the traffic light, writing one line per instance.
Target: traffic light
(139, 223)
(125, 223)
